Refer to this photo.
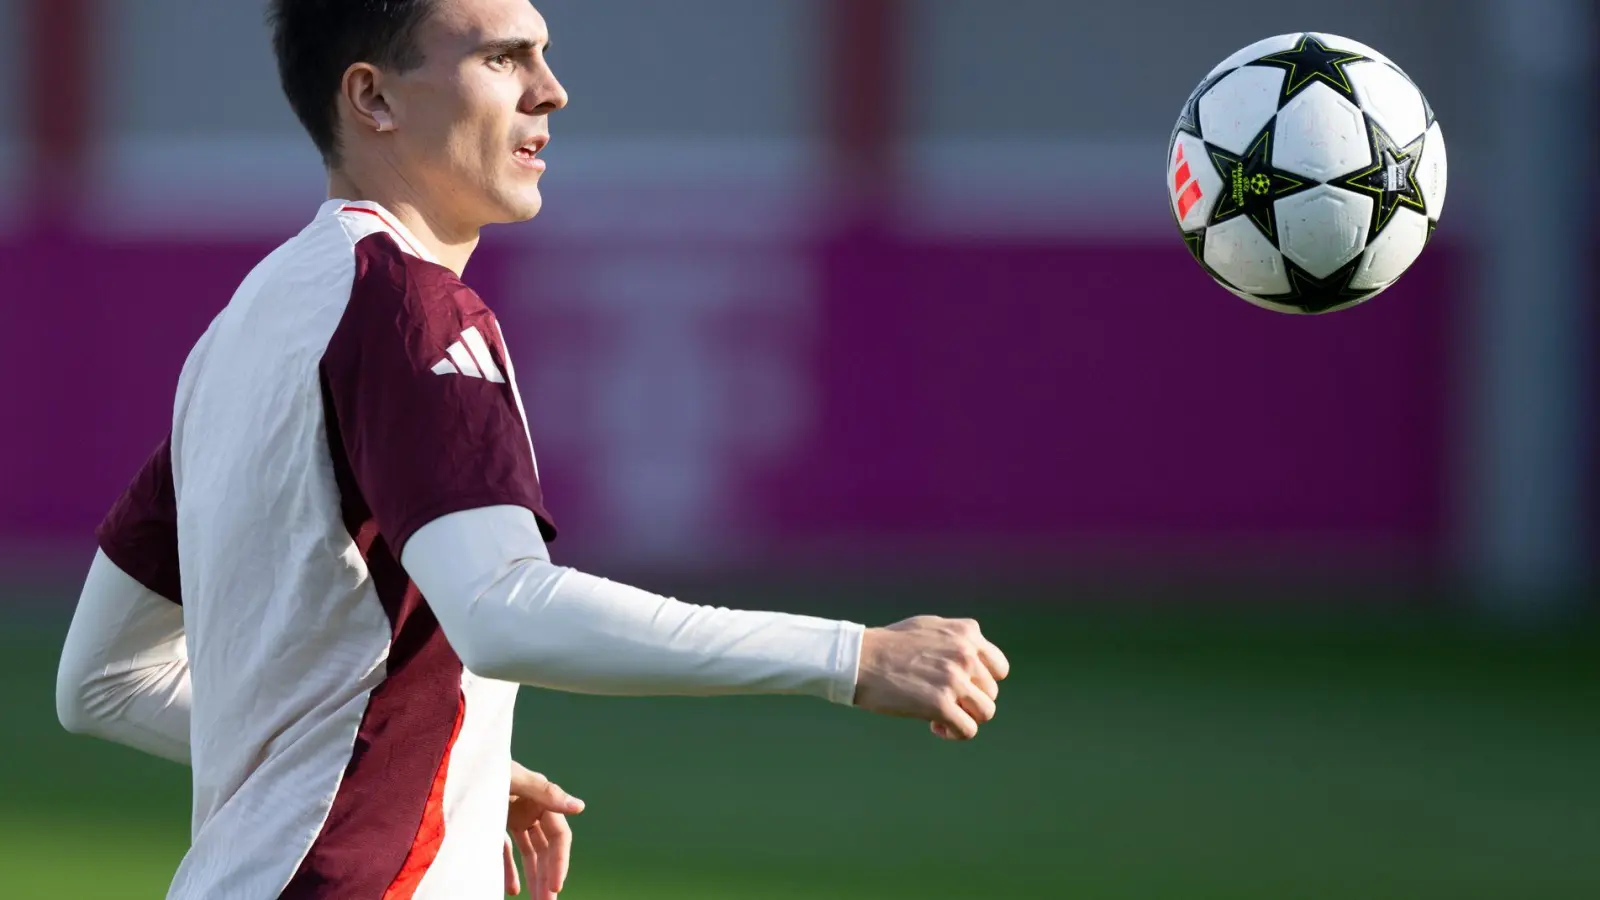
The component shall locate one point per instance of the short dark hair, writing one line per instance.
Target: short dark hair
(317, 41)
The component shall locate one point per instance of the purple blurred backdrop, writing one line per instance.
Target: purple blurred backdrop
(859, 397)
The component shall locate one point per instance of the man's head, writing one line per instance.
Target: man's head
(449, 98)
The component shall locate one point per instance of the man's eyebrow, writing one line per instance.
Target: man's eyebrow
(511, 46)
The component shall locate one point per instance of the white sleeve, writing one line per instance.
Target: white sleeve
(124, 673)
(512, 615)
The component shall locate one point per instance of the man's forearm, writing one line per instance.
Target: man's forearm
(124, 672)
(514, 616)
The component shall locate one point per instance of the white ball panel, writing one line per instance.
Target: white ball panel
(1320, 135)
(1324, 228)
(1266, 47)
(1393, 251)
(1238, 252)
(1338, 42)
(1236, 108)
(1390, 99)
(1193, 173)
(1433, 171)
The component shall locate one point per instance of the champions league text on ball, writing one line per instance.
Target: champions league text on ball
(1306, 173)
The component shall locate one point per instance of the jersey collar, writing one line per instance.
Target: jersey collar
(402, 235)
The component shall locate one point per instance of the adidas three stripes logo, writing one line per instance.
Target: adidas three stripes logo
(470, 357)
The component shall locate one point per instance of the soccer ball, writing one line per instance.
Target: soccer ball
(1306, 173)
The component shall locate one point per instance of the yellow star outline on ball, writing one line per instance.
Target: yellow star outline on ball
(1309, 61)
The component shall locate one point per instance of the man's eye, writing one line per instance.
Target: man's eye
(502, 61)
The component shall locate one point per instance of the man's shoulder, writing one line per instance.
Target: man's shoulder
(386, 271)
(405, 305)
(423, 305)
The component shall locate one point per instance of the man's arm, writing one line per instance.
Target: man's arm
(513, 615)
(124, 672)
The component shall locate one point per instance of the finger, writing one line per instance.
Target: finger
(984, 681)
(559, 857)
(513, 885)
(530, 856)
(541, 791)
(957, 722)
(541, 861)
(994, 660)
(977, 704)
(549, 855)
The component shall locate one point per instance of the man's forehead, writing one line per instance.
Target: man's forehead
(490, 20)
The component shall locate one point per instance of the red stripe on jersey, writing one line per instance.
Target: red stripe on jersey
(1189, 199)
(403, 743)
(395, 229)
(430, 834)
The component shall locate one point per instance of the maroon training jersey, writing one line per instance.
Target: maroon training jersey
(353, 391)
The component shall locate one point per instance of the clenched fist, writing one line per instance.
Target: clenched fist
(942, 671)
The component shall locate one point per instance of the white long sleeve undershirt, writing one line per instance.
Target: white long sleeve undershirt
(124, 672)
(512, 615)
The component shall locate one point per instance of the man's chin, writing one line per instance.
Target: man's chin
(527, 205)
(518, 207)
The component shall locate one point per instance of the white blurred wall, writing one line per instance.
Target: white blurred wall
(1035, 108)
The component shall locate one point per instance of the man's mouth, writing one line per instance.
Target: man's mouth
(529, 152)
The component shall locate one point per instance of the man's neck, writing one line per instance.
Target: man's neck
(451, 246)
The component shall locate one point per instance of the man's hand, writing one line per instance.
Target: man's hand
(942, 671)
(536, 824)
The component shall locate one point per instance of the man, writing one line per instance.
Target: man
(325, 586)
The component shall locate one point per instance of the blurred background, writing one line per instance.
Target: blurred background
(873, 307)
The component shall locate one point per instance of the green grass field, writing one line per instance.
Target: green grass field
(1135, 756)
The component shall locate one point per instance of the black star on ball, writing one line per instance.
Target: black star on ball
(1310, 294)
(1310, 61)
(1251, 186)
(1391, 180)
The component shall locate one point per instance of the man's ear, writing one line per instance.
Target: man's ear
(362, 90)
